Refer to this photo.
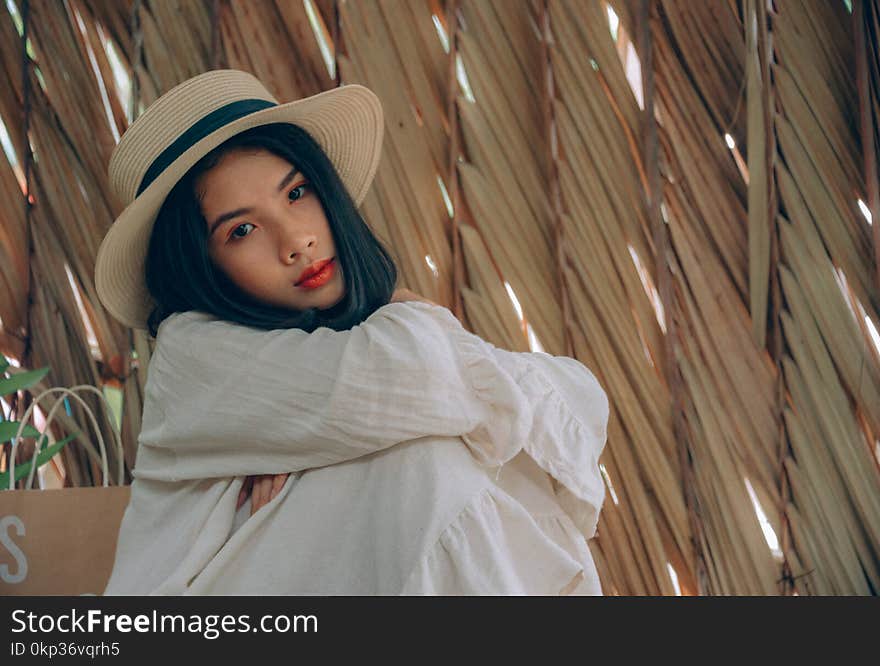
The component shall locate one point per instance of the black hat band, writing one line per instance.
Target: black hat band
(199, 130)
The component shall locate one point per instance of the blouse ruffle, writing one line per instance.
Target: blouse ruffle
(496, 547)
(501, 541)
(559, 418)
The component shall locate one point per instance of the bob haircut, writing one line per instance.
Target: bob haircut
(181, 276)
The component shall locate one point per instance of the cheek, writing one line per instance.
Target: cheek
(317, 218)
(239, 266)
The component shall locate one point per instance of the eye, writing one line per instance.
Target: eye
(235, 233)
(298, 192)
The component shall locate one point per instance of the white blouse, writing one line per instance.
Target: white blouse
(423, 460)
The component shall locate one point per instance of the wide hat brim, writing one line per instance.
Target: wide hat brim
(346, 121)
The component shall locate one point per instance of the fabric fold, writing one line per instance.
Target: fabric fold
(495, 547)
(562, 424)
(570, 420)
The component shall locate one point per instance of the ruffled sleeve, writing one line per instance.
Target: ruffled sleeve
(562, 425)
(494, 547)
(568, 429)
(527, 535)
(226, 400)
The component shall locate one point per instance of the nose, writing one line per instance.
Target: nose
(296, 242)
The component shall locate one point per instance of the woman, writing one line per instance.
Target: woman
(411, 456)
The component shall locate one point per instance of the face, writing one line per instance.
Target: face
(265, 227)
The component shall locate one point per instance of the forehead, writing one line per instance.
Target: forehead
(239, 178)
(240, 163)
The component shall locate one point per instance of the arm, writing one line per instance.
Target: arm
(566, 429)
(265, 487)
(570, 412)
(228, 400)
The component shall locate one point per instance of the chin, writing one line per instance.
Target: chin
(332, 305)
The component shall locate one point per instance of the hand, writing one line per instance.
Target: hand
(401, 295)
(263, 488)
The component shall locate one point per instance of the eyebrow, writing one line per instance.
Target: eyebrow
(241, 211)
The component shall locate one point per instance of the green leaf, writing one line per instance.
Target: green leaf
(22, 380)
(42, 458)
(3, 363)
(9, 428)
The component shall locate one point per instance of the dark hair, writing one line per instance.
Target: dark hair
(181, 276)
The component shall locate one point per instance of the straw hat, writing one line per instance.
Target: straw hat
(185, 124)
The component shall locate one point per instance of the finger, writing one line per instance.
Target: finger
(244, 492)
(265, 488)
(258, 496)
(277, 484)
(265, 485)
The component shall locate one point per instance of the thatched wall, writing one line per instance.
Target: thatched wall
(675, 193)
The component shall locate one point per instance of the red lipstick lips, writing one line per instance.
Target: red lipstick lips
(316, 274)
